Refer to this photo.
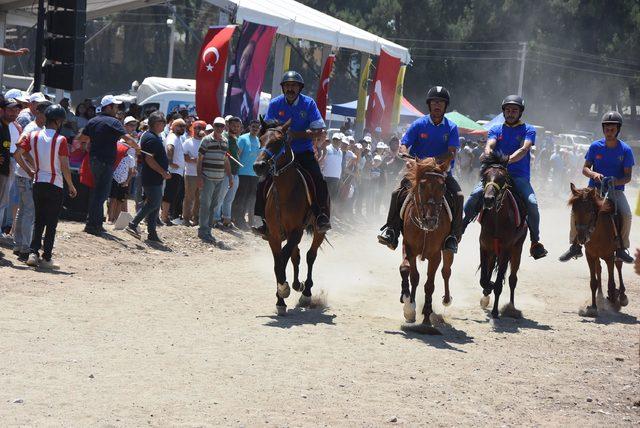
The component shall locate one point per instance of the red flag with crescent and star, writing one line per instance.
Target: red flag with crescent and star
(382, 91)
(212, 62)
(323, 87)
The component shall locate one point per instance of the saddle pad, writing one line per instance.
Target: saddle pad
(309, 186)
(514, 207)
(410, 197)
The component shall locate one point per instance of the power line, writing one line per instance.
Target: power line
(596, 64)
(479, 58)
(586, 70)
(451, 41)
(587, 55)
(462, 50)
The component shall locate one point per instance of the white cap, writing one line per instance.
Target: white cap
(209, 127)
(369, 147)
(220, 120)
(129, 119)
(358, 146)
(381, 145)
(37, 97)
(345, 140)
(108, 100)
(227, 117)
(15, 94)
(377, 158)
(337, 136)
(367, 138)
(350, 138)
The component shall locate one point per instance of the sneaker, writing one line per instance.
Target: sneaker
(33, 260)
(388, 237)
(92, 230)
(574, 251)
(153, 237)
(230, 225)
(167, 223)
(132, 230)
(48, 264)
(623, 255)
(323, 225)
(208, 238)
(451, 244)
(537, 250)
(177, 222)
(17, 252)
(23, 257)
(218, 225)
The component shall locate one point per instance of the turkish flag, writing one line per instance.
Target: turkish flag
(212, 62)
(323, 87)
(382, 91)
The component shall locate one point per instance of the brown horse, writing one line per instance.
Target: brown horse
(288, 212)
(597, 231)
(426, 226)
(502, 234)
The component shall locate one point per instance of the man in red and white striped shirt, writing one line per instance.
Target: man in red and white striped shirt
(50, 153)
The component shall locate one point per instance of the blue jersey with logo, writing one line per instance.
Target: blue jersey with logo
(304, 114)
(511, 138)
(609, 161)
(424, 139)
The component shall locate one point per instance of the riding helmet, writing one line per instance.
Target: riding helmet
(438, 93)
(612, 117)
(513, 100)
(55, 112)
(292, 76)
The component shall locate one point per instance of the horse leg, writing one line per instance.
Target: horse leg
(305, 298)
(598, 273)
(447, 261)
(293, 239)
(503, 262)
(595, 284)
(279, 270)
(409, 305)
(622, 295)
(612, 293)
(514, 265)
(295, 259)
(487, 260)
(429, 286)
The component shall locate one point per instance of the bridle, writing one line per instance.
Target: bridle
(272, 162)
(500, 190)
(422, 220)
(588, 228)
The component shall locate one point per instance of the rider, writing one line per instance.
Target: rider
(515, 139)
(432, 135)
(306, 122)
(609, 157)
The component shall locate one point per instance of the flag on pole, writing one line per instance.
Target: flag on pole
(397, 101)
(210, 68)
(323, 87)
(362, 93)
(381, 93)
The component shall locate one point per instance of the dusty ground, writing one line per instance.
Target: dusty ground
(129, 335)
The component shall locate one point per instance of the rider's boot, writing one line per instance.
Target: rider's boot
(574, 251)
(262, 231)
(537, 250)
(623, 254)
(389, 236)
(451, 243)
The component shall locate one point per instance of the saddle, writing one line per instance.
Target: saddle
(517, 205)
(307, 180)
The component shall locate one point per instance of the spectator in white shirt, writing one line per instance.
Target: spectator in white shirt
(191, 203)
(174, 187)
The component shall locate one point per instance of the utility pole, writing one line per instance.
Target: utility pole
(523, 59)
(37, 72)
(172, 39)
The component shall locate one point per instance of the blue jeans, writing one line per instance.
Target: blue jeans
(23, 228)
(225, 199)
(136, 189)
(522, 185)
(209, 195)
(149, 208)
(102, 175)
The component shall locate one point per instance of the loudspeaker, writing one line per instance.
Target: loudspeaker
(64, 76)
(72, 23)
(69, 4)
(65, 49)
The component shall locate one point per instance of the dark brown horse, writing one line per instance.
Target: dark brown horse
(502, 234)
(426, 226)
(288, 212)
(596, 230)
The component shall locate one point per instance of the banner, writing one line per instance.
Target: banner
(212, 62)
(323, 87)
(382, 92)
(246, 75)
(362, 94)
(397, 101)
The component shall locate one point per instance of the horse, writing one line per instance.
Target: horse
(287, 212)
(502, 234)
(426, 226)
(596, 230)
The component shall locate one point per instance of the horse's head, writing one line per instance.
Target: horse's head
(428, 186)
(274, 146)
(586, 205)
(495, 178)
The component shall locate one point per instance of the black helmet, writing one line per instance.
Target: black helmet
(292, 76)
(54, 112)
(438, 93)
(612, 117)
(515, 100)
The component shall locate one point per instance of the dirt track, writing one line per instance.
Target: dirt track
(128, 335)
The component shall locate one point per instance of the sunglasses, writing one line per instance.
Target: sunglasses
(218, 125)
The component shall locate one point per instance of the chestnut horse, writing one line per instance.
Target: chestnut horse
(426, 226)
(287, 212)
(502, 234)
(596, 230)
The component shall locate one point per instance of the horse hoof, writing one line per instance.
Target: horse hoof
(409, 309)
(510, 311)
(304, 301)
(446, 302)
(282, 310)
(624, 300)
(436, 319)
(484, 301)
(302, 287)
(495, 315)
(590, 311)
(296, 286)
(283, 290)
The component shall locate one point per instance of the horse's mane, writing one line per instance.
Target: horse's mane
(418, 168)
(495, 158)
(269, 124)
(591, 196)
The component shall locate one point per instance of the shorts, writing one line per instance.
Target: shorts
(171, 188)
(118, 192)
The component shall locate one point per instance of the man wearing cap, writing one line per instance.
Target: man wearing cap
(222, 213)
(102, 133)
(8, 211)
(5, 157)
(306, 122)
(29, 114)
(174, 187)
(434, 136)
(332, 168)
